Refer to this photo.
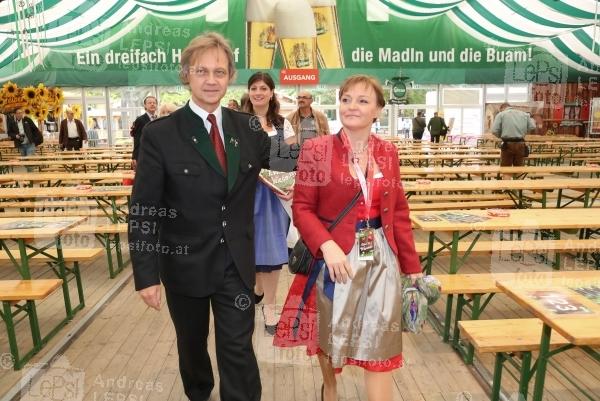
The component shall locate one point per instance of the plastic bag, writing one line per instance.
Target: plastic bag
(416, 297)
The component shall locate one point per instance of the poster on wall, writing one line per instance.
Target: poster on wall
(3, 132)
(594, 130)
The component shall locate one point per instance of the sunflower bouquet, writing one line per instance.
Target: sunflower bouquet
(36, 101)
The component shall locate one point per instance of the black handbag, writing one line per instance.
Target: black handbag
(301, 260)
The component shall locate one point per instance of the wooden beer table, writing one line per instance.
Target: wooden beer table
(105, 196)
(589, 187)
(567, 306)
(462, 224)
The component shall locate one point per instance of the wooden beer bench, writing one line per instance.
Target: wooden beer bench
(109, 236)
(591, 245)
(474, 292)
(69, 255)
(484, 204)
(27, 291)
(490, 336)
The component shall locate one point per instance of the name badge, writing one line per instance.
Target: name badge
(366, 244)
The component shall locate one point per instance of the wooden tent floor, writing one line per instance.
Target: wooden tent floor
(128, 352)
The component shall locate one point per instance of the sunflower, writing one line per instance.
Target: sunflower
(76, 109)
(27, 111)
(59, 95)
(35, 106)
(10, 88)
(42, 92)
(29, 94)
(38, 115)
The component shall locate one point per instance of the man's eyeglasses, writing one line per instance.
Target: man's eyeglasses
(303, 97)
(202, 72)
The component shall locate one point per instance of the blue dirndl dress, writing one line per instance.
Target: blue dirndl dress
(271, 224)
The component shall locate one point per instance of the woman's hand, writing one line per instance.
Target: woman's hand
(286, 197)
(337, 262)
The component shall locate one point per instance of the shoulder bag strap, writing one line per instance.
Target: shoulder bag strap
(344, 212)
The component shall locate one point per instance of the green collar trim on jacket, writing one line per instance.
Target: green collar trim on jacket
(201, 142)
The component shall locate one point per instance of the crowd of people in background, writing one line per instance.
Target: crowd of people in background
(306, 122)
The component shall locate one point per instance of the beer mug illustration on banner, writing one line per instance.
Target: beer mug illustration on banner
(260, 33)
(329, 45)
(296, 33)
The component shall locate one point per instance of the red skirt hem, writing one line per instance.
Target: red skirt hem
(383, 365)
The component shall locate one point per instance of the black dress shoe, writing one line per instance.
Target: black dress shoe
(269, 328)
(258, 298)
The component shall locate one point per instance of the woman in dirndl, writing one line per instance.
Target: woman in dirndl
(271, 221)
(348, 309)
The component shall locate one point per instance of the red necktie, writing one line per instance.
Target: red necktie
(215, 138)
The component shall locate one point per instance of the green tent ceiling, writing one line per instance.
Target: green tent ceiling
(566, 28)
(38, 26)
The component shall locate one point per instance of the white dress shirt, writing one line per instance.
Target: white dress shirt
(72, 129)
(203, 114)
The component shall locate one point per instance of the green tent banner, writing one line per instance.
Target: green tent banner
(144, 47)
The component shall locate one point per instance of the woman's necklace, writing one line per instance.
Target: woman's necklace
(358, 152)
(263, 121)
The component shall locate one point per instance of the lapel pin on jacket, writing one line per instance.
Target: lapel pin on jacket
(234, 142)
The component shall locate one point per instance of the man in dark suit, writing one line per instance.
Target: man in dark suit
(72, 133)
(437, 127)
(191, 222)
(150, 105)
(25, 134)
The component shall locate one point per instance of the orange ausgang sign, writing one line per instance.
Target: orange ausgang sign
(299, 76)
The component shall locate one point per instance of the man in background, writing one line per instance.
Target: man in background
(72, 133)
(150, 105)
(25, 134)
(437, 127)
(511, 125)
(418, 126)
(306, 121)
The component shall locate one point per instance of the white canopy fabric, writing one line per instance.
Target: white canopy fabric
(566, 28)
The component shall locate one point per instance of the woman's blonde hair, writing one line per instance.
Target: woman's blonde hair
(199, 45)
(166, 108)
(367, 81)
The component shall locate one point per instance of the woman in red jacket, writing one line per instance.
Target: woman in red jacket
(348, 309)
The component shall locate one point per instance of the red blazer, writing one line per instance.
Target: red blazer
(324, 187)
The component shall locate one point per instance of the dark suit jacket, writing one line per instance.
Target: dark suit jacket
(183, 204)
(136, 132)
(31, 130)
(436, 126)
(63, 135)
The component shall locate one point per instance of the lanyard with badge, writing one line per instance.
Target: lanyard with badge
(366, 235)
